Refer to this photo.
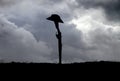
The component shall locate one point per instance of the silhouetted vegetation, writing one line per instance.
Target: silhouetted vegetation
(85, 63)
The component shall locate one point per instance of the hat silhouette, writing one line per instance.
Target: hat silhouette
(55, 18)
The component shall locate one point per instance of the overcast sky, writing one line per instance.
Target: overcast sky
(91, 31)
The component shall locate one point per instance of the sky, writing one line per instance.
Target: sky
(91, 30)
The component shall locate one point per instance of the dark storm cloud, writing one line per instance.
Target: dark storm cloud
(111, 7)
(44, 30)
(29, 23)
(4, 3)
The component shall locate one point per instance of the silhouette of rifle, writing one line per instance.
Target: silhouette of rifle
(56, 19)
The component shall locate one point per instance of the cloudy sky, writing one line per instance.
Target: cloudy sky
(91, 31)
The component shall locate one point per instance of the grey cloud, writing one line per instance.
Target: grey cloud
(107, 44)
(111, 7)
(30, 22)
(4, 3)
(17, 44)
